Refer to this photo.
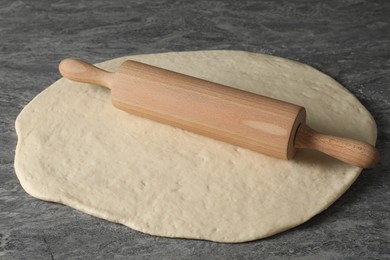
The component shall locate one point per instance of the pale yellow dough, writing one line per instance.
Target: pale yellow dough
(75, 148)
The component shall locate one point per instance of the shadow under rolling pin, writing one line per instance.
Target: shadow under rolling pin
(266, 125)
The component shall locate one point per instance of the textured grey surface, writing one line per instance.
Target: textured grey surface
(348, 40)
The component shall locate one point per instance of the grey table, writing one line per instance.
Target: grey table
(348, 40)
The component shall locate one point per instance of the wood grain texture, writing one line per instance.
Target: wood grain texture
(234, 116)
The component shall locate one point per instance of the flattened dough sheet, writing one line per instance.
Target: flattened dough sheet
(75, 148)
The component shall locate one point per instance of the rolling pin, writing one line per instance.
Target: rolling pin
(262, 124)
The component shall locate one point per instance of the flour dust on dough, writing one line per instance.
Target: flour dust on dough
(75, 148)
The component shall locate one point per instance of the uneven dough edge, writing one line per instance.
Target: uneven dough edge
(76, 204)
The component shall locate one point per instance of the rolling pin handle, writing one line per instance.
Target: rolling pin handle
(353, 152)
(82, 71)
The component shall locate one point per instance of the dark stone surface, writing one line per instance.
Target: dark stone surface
(348, 40)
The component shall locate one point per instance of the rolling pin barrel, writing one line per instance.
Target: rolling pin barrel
(245, 119)
(241, 118)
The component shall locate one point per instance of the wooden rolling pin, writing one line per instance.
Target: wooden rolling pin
(269, 126)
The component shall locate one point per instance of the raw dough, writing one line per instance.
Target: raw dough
(75, 148)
